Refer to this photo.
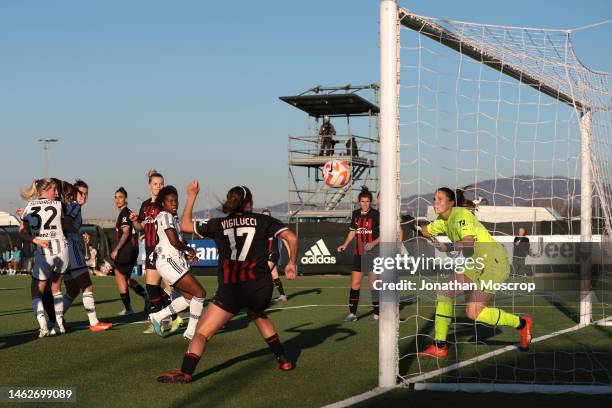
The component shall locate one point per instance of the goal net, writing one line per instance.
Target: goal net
(513, 118)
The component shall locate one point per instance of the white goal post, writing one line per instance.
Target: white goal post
(566, 138)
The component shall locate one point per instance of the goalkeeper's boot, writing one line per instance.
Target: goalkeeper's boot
(149, 329)
(526, 332)
(175, 377)
(100, 326)
(284, 364)
(439, 350)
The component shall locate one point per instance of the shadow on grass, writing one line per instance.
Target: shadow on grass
(306, 338)
(317, 291)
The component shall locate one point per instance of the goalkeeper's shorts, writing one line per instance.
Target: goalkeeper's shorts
(496, 266)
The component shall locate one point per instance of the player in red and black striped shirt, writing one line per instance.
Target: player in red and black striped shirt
(144, 221)
(365, 223)
(125, 253)
(243, 275)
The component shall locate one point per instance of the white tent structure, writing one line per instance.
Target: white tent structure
(7, 219)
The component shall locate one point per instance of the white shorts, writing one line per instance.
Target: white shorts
(76, 260)
(46, 263)
(171, 268)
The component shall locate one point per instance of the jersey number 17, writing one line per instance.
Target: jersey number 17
(250, 233)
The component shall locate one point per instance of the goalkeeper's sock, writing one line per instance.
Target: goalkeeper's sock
(444, 317)
(190, 362)
(497, 317)
(353, 300)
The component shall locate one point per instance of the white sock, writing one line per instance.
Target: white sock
(67, 302)
(39, 311)
(195, 311)
(90, 308)
(176, 306)
(58, 302)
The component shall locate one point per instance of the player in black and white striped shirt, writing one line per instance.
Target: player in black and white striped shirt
(41, 225)
(173, 266)
(77, 276)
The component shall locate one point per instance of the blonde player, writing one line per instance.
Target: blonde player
(41, 225)
(173, 266)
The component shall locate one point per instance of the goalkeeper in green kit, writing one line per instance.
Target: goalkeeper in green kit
(468, 234)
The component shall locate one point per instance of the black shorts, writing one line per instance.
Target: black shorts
(253, 295)
(150, 259)
(125, 268)
(356, 263)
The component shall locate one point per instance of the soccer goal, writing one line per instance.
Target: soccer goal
(511, 116)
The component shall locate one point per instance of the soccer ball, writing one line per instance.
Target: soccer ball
(336, 173)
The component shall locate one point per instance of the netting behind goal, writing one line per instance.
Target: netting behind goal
(509, 115)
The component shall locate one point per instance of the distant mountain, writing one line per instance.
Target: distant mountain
(559, 193)
(277, 210)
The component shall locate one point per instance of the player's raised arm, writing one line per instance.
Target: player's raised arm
(193, 188)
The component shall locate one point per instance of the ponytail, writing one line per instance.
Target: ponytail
(237, 198)
(153, 173)
(458, 197)
(365, 193)
(37, 187)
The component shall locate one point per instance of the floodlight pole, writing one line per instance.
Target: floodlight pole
(389, 192)
(45, 143)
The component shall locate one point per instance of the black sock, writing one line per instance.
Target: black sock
(125, 298)
(190, 361)
(376, 308)
(279, 286)
(521, 324)
(165, 298)
(135, 286)
(155, 297)
(353, 301)
(49, 305)
(275, 345)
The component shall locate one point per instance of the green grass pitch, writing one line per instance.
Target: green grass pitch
(335, 360)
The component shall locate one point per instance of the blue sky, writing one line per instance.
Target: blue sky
(191, 88)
